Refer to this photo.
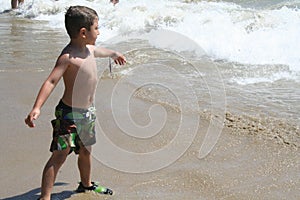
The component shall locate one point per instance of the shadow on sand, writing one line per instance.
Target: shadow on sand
(34, 194)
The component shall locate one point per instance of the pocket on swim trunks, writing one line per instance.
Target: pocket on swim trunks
(63, 127)
(86, 132)
(63, 141)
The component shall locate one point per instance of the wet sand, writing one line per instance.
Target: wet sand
(241, 166)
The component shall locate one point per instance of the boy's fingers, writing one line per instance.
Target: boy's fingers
(34, 117)
(120, 60)
(31, 117)
(117, 62)
(29, 120)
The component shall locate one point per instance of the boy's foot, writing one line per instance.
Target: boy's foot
(95, 187)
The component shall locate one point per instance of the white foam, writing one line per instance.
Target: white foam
(266, 79)
(224, 30)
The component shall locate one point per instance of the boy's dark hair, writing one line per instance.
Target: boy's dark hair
(78, 17)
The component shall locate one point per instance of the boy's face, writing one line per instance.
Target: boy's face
(92, 34)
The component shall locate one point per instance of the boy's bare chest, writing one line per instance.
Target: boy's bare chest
(84, 71)
(87, 65)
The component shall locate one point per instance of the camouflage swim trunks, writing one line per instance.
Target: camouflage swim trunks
(73, 127)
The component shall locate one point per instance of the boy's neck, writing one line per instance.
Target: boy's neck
(78, 44)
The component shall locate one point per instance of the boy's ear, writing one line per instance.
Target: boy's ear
(82, 33)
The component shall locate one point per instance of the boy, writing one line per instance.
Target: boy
(73, 128)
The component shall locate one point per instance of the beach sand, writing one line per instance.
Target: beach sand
(240, 166)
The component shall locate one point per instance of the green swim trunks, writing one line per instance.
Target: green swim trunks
(73, 127)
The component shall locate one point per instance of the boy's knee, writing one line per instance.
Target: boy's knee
(85, 151)
(60, 157)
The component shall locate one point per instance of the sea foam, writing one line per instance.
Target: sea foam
(225, 31)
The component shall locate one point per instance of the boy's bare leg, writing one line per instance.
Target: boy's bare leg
(84, 165)
(14, 4)
(50, 171)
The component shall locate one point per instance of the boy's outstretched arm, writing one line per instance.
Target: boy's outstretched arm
(103, 52)
(46, 89)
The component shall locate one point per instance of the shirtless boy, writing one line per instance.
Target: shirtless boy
(73, 128)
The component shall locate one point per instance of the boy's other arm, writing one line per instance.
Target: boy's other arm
(46, 89)
(103, 52)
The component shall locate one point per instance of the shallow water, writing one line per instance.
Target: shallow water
(271, 109)
(177, 79)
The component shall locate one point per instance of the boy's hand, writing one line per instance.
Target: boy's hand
(33, 115)
(119, 58)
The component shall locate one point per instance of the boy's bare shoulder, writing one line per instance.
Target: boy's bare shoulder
(64, 57)
(66, 51)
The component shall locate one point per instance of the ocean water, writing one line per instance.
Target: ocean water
(238, 59)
